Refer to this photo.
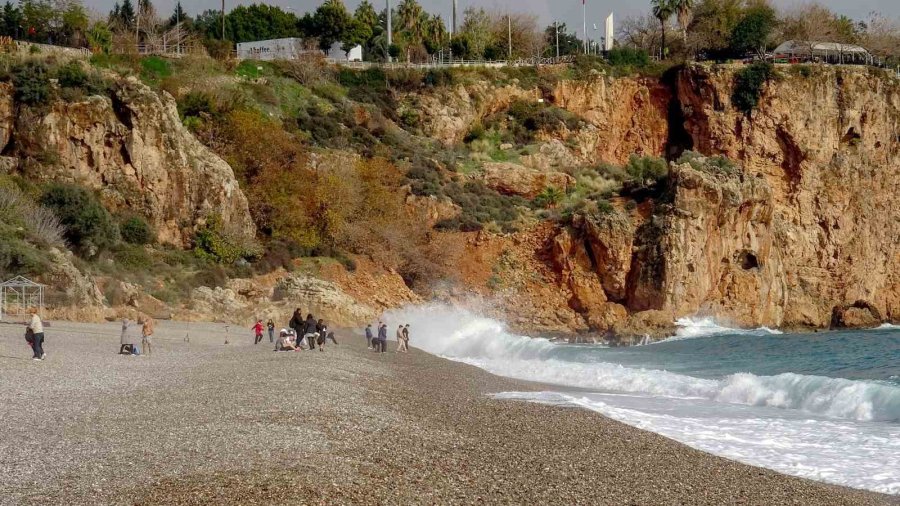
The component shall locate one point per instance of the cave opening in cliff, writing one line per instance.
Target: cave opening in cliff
(747, 260)
(851, 137)
(678, 140)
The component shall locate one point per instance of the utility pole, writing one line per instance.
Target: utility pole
(137, 28)
(454, 28)
(223, 19)
(509, 33)
(556, 26)
(584, 21)
(390, 32)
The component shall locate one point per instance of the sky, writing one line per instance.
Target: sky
(568, 11)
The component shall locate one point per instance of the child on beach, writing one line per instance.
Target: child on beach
(258, 330)
(147, 333)
(271, 326)
(369, 336)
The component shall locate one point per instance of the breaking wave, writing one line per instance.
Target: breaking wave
(461, 335)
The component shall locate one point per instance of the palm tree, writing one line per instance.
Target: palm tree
(410, 15)
(684, 10)
(663, 10)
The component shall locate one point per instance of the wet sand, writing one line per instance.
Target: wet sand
(200, 422)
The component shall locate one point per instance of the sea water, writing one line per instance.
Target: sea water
(824, 405)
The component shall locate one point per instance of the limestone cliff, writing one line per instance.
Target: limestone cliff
(827, 142)
(131, 147)
(802, 231)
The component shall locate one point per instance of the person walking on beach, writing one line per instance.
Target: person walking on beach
(406, 338)
(320, 334)
(258, 331)
(399, 339)
(382, 338)
(271, 326)
(36, 326)
(296, 324)
(147, 333)
(310, 333)
(369, 336)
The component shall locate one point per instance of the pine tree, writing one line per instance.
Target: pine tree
(178, 15)
(126, 14)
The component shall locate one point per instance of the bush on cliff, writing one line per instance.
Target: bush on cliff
(32, 83)
(628, 56)
(749, 83)
(89, 227)
(136, 230)
(219, 243)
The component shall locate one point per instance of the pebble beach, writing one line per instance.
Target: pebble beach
(202, 422)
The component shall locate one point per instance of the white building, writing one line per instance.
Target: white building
(336, 53)
(274, 49)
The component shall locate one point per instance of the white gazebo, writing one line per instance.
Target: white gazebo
(19, 294)
(834, 52)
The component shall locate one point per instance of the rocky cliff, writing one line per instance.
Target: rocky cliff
(133, 148)
(827, 143)
(799, 230)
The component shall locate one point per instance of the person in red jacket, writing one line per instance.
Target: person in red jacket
(258, 329)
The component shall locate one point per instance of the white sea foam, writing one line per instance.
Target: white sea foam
(830, 429)
(837, 451)
(690, 328)
(461, 335)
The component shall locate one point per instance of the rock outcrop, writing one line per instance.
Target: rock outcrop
(625, 116)
(133, 148)
(514, 179)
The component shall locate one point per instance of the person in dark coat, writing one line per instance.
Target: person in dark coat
(310, 332)
(369, 336)
(382, 338)
(296, 323)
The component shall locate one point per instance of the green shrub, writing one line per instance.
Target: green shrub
(132, 258)
(481, 206)
(628, 56)
(72, 76)
(90, 228)
(529, 118)
(713, 164)
(136, 230)
(549, 198)
(154, 69)
(17, 257)
(216, 242)
(32, 83)
(749, 83)
(646, 169)
(197, 103)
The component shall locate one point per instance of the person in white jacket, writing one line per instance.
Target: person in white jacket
(37, 329)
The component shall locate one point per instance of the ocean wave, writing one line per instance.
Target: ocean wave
(464, 336)
(690, 328)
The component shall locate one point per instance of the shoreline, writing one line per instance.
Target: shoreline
(201, 422)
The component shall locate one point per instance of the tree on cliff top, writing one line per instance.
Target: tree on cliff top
(662, 10)
(754, 31)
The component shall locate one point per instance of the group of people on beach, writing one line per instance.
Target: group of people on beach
(300, 334)
(378, 342)
(128, 341)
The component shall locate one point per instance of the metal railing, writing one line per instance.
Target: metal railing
(520, 62)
